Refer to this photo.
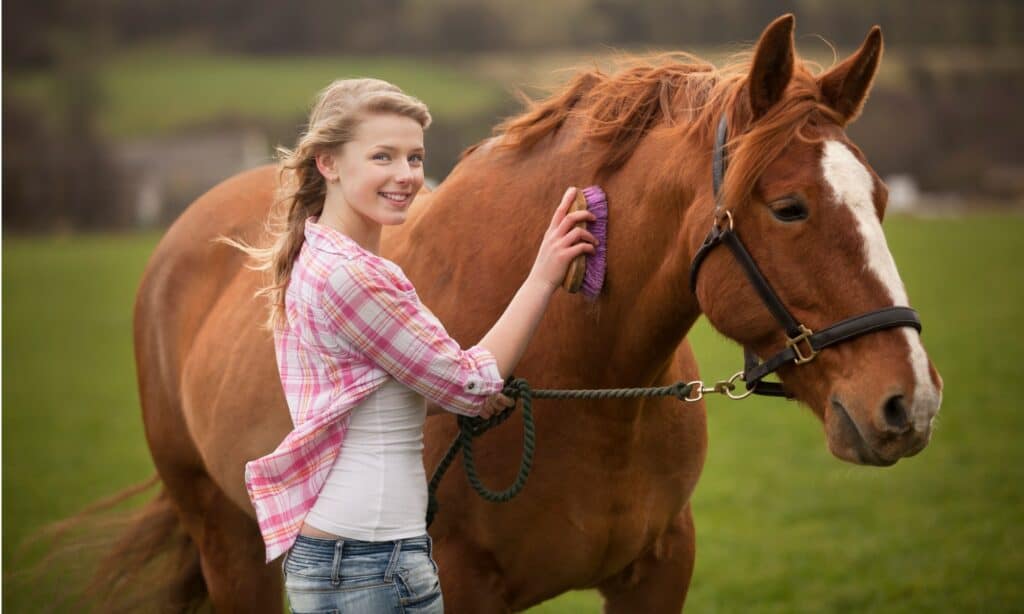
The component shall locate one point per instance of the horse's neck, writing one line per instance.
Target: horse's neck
(469, 248)
(649, 303)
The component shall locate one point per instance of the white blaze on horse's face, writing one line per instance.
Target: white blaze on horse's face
(852, 187)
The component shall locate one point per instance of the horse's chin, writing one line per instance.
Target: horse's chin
(847, 441)
(857, 454)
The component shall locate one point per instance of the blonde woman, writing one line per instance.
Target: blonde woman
(344, 495)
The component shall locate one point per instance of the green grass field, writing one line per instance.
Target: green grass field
(782, 525)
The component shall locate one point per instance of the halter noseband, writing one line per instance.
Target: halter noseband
(802, 344)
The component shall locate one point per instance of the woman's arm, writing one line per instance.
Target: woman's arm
(495, 404)
(508, 338)
(510, 335)
(394, 330)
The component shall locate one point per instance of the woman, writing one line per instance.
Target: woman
(344, 495)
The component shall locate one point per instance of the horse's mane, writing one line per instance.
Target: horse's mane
(677, 91)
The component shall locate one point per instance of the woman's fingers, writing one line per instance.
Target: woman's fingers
(500, 401)
(571, 219)
(496, 403)
(577, 235)
(567, 198)
(580, 248)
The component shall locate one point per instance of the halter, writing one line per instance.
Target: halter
(802, 344)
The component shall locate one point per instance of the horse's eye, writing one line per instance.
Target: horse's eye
(789, 210)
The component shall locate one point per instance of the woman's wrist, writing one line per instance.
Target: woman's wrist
(537, 283)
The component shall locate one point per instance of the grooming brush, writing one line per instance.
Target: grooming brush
(586, 271)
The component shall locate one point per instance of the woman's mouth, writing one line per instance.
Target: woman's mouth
(397, 198)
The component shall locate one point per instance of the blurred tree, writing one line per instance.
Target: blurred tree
(468, 27)
(26, 27)
(626, 23)
(63, 176)
(374, 26)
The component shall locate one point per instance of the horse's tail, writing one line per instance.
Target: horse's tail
(147, 562)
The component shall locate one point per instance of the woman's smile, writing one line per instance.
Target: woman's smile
(399, 199)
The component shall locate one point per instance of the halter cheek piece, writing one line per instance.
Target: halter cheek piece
(802, 344)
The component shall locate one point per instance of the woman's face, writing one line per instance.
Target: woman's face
(381, 170)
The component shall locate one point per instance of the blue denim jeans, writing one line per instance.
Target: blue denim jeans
(347, 575)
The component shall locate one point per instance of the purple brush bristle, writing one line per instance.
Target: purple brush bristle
(593, 276)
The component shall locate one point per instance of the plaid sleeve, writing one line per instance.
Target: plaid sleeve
(390, 326)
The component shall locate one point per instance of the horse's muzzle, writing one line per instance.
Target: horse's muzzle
(865, 444)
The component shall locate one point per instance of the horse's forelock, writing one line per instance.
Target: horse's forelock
(754, 146)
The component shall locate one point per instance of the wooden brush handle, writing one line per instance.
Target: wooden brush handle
(574, 275)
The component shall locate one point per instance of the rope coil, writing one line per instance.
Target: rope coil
(518, 389)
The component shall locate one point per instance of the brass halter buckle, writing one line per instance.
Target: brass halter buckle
(794, 343)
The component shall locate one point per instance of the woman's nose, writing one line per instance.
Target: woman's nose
(404, 173)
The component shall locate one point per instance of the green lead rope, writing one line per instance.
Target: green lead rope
(518, 389)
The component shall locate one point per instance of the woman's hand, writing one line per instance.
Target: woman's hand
(508, 338)
(562, 242)
(495, 404)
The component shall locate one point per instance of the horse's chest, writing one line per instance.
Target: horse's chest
(609, 525)
(638, 515)
(640, 502)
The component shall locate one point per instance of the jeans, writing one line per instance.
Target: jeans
(347, 575)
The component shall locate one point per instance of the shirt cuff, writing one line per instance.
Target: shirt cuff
(487, 380)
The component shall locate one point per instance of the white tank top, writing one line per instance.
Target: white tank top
(377, 489)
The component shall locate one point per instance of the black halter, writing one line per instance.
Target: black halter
(802, 344)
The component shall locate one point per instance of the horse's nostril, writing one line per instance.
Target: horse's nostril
(896, 414)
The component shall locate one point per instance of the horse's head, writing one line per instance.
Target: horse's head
(808, 208)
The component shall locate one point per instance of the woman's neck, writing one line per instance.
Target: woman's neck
(359, 228)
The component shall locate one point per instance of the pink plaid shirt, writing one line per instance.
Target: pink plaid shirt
(353, 320)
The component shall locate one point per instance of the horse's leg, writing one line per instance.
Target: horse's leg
(230, 353)
(468, 583)
(659, 579)
(231, 555)
(230, 552)
(230, 549)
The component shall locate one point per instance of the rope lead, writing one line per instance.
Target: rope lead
(517, 388)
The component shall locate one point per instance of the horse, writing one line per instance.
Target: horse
(608, 503)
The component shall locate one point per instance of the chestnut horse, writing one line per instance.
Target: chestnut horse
(607, 505)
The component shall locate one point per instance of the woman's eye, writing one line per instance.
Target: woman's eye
(789, 210)
(381, 156)
(416, 158)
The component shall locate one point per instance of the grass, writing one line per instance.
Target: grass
(782, 525)
(157, 90)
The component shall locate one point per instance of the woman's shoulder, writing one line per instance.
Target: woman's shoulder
(368, 272)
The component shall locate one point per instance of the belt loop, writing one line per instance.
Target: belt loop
(389, 573)
(336, 565)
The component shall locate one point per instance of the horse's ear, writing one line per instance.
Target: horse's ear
(845, 87)
(772, 66)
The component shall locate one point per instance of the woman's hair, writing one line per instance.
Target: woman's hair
(338, 110)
